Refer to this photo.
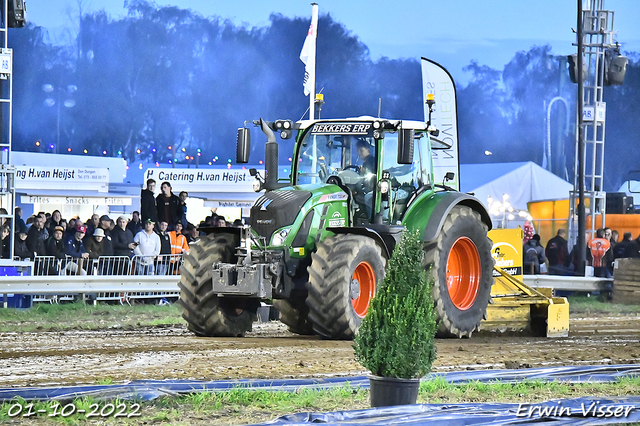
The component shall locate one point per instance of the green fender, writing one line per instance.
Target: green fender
(428, 212)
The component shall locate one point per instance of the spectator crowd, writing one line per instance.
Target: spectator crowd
(155, 239)
(150, 242)
(556, 259)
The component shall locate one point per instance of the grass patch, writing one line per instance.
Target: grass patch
(242, 406)
(81, 316)
(598, 304)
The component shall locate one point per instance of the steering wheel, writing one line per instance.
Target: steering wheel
(352, 166)
(334, 180)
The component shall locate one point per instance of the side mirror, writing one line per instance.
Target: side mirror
(449, 176)
(243, 145)
(405, 146)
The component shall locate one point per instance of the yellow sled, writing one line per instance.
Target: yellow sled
(514, 305)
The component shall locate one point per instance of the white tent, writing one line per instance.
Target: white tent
(522, 182)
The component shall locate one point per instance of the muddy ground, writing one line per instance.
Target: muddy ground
(270, 351)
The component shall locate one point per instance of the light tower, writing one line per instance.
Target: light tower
(598, 63)
(14, 11)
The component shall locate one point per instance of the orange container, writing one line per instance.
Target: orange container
(550, 215)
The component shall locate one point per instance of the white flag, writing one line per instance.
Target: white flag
(308, 53)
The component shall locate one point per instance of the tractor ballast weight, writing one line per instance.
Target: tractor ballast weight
(319, 241)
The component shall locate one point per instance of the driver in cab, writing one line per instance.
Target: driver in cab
(368, 161)
(367, 171)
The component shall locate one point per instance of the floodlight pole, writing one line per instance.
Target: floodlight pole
(582, 250)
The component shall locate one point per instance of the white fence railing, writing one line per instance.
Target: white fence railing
(107, 278)
(168, 264)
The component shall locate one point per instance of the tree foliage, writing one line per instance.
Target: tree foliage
(397, 336)
(168, 77)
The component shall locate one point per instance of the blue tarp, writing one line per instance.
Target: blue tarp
(450, 414)
(151, 389)
(579, 411)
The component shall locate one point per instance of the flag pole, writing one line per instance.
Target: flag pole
(308, 56)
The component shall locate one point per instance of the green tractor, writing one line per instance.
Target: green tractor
(319, 242)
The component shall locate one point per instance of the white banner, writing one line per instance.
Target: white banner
(597, 112)
(76, 201)
(68, 178)
(437, 81)
(235, 204)
(202, 180)
(6, 61)
(308, 54)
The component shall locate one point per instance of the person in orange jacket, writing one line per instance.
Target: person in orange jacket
(600, 255)
(179, 246)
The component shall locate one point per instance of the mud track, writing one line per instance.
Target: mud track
(270, 351)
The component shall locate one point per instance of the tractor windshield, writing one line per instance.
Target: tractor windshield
(352, 158)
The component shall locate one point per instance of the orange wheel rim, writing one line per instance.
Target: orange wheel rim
(463, 273)
(363, 288)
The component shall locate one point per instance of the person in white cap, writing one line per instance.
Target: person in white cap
(96, 246)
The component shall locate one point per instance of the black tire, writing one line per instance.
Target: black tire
(294, 313)
(208, 315)
(330, 289)
(460, 312)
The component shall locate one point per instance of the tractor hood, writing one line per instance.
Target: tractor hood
(276, 209)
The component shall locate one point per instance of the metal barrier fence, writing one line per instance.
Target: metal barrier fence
(164, 265)
(168, 264)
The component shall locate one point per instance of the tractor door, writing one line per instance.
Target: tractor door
(405, 179)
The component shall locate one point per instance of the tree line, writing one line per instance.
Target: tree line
(166, 84)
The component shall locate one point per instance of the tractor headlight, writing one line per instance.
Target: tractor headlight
(279, 237)
(284, 124)
(257, 185)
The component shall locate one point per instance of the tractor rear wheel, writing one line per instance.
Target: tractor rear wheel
(344, 273)
(208, 315)
(294, 313)
(461, 265)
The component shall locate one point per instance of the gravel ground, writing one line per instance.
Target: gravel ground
(270, 351)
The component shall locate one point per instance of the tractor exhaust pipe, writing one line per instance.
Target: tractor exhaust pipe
(270, 157)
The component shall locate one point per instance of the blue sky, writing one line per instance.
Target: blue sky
(451, 32)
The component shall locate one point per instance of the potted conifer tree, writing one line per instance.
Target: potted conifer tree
(396, 338)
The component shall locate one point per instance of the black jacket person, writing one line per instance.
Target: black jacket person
(169, 206)
(148, 202)
(36, 238)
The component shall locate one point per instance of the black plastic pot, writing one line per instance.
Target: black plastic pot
(387, 391)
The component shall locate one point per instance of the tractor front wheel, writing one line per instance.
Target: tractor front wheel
(461, 265)
(344, 274)
(207, 314)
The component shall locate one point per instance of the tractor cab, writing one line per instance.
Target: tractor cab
(362, 158)
(349, 161)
